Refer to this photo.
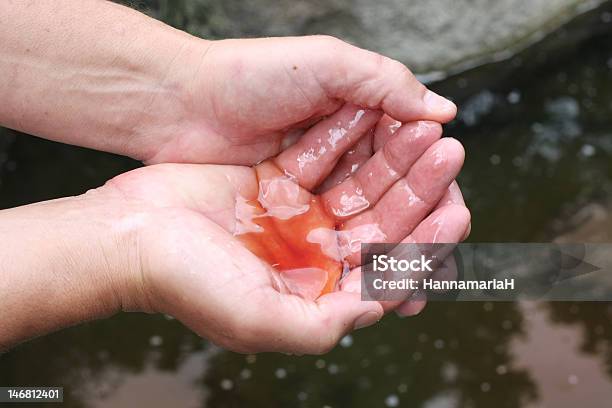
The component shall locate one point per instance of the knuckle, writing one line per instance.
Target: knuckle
(397, 67)
(328, 39)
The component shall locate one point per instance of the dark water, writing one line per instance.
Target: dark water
(539, 150)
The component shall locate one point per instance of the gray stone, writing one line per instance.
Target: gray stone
(434, 37)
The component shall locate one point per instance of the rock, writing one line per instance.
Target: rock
(432, 37)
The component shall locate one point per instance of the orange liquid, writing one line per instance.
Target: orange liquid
(283, 242)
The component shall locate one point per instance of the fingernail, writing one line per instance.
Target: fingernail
(436, 102)
(408, 313)
(366, 319)
(410, 309)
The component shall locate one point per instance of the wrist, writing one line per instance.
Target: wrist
(179, 110)
(64, 262)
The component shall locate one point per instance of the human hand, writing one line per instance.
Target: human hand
(196, 259)
(100, 75)
(248, 98)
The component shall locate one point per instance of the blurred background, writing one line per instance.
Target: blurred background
(533, 81)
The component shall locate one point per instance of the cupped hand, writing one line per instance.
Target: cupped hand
(190, 224)
(245, 99)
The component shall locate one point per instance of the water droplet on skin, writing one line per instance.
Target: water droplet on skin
(439, 224)
(440, 157)
(351, 205)
(356, 119)
(279, 196)
(307, 283)
(390, 171)
(354, 168)
(413, 199)
(244, 214)
(338, 245)
(350, 241)
(335, 135)
(422, 129)
(305, 158)
(328, 240)
(394, 126)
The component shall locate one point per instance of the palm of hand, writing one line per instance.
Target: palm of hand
(202, 258)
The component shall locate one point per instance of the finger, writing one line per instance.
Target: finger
(290, 324)
(368, 79)
(413, 305)
(385, 128)
(295, 131)
(445, 225)
(445, 272)
(409, 200)
(349, 163)
(454, 196)
(416, 302)
(377, 175)
(353, 159)
(316, 153)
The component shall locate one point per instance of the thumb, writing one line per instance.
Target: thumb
(374, 81)
(294, 325)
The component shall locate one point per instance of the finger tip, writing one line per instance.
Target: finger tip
(440, 108)
(411, 308)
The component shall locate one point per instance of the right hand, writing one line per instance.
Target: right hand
(244, 98)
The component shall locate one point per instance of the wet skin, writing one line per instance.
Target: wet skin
(197, 265)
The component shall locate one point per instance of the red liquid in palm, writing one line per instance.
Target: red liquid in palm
(283, 243)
